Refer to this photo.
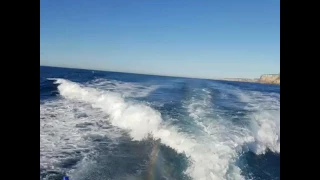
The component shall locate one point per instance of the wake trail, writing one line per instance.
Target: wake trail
(208, 160)
(263, 114)
(264, 120)
(225, 140)
(259, 132)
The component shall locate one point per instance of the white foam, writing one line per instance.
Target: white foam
(126, 89)
(263, 114)
(198, 107)
(66, 128)
(262, 134)
(264, 120)
(210, 157)
(139, 119)
(223, 140)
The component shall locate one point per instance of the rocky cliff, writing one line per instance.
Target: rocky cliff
(270, 79)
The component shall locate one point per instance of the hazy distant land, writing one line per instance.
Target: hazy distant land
(265, 78)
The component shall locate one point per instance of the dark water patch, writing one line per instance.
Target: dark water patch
(171, 164)
(84, 125)
(70, 162)
(51, 175)
(48, 89)
(81, 115)
(260, 167)
(269, 88)
(134, 160)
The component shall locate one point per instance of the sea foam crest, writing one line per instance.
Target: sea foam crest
(208, 161)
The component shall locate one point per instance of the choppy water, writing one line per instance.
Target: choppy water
(103, 125)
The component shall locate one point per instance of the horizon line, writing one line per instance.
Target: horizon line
(106, 70)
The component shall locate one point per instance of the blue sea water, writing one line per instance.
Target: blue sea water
(98, 125)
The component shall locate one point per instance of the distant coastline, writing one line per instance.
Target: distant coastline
(264, 79)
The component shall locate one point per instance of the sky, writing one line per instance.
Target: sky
(192, 38)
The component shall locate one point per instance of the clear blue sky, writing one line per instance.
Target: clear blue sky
(197, 38)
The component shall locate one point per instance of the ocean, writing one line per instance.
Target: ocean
(97, 125)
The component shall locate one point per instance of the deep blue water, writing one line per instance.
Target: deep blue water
(98, 125)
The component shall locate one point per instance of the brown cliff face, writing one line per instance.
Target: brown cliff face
(270, 79)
